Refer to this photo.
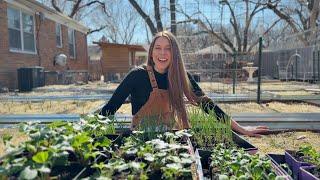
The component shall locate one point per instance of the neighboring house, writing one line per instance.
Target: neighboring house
(118, 59)
(33, 35)
(206, 58)
(95, 69)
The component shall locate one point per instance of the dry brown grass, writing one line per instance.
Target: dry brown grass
(90, 85)
(217, 87)
(49, 107)
(247, 107)
(251, 107)
(17, 138)
(245, 87)
(293, 107)
(125, 109)
(293, 93)
(278, 143)
(284, 86)
(83, 107)
(54, 93)
(68, 90)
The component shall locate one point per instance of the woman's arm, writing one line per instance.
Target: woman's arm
(208, 105)
(120, 95)
(250, 130)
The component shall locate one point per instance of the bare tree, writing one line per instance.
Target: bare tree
(156, 25)
(173, 16)
(301, 16)
(79, 9)
(121, 25)
(242, 29)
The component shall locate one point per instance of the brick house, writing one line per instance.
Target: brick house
(33, 35)
(118, 59)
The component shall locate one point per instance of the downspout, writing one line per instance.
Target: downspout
(41, 18)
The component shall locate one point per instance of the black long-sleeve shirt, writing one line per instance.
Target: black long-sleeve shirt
(138, 86)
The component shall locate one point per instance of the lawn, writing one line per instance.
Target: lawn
(278, 143)
(49, 107)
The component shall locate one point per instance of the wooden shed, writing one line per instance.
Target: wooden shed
(118, 59)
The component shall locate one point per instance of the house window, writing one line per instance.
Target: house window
(21, 31)
(58, 35)
(71, 42)
(130, 58)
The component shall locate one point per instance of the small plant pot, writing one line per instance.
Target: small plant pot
(306, 173)
(276, 161)
(293, 163)
(242, 143)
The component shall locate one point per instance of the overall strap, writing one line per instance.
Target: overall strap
(152, 78)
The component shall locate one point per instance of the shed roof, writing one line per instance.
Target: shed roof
(129, 46)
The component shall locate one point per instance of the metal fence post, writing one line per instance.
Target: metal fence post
(259, 70)
(234, 64)
(318, 65)
(314, 66)
(297, 68)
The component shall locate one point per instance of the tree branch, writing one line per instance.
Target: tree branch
(234, 25)
(287, 18)
(54, 5)
(157, 15)
(144, 16)
(173, 16)
(266, 32)
(75, 8)
(97, 30)
(102, 4)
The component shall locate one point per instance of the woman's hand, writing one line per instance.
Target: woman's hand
(255, 131)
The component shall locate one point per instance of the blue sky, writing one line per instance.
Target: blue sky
(210, 8)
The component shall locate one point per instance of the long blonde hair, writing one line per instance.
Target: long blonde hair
(179, 83)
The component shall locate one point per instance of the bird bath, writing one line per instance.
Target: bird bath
(250, 69)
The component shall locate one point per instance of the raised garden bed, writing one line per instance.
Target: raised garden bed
(65, 151)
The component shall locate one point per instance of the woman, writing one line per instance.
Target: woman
(159, 88)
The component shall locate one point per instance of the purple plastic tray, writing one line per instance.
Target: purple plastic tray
(293, 163)
(305, 173)
(276, 160)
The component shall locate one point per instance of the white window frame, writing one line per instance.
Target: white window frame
(130, 58)
(21, 31)
(74, 43)
(60, 27)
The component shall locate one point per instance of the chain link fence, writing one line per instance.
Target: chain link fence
(288, 69)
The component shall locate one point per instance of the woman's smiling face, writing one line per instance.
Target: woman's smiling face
(161, 54)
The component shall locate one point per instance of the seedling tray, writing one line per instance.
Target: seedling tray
(294, 163)
(277, 160)
(305, 173)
